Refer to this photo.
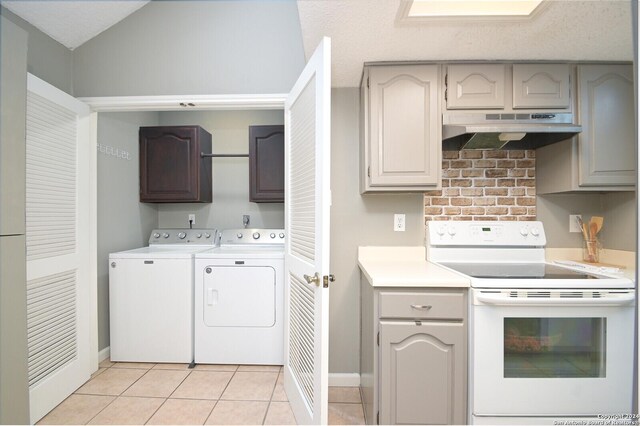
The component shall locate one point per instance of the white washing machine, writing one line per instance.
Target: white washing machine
(151, 297)
(239, 299)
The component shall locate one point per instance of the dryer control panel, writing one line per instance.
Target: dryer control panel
(252, 237)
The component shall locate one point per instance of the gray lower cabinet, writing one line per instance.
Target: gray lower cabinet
(413, 355)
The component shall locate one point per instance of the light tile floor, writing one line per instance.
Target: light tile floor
(145, 393)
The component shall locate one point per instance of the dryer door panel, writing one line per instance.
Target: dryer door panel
(239, 296)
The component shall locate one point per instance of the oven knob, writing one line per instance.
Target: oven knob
(440, 230)
(524, 232)
(207, 235)
(181, 235)
(156, 235)
(535, 232)
(256, 235)
(452, 231)
(272, 235)
(198, 235)
(281, 235)
(239, 236)
(165, 235)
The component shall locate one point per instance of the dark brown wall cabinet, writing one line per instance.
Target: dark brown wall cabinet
(171, 169)
(266, 164)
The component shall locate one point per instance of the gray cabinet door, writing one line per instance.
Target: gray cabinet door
(404, 142)
(476, 86)
(607, 142)
(541, 86)
(422, 373)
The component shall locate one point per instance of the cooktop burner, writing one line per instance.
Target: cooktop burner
(519, 271)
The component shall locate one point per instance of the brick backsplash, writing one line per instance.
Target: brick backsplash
(484, 185)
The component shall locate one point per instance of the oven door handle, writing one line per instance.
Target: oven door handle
(609, 300)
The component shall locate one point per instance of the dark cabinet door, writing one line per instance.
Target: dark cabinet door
(266, 164)
(171, 169)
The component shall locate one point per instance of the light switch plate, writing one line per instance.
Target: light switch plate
(398, 222)
(573, 223)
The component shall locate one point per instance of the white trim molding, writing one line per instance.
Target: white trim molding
(185, 102)
(344, 379)
(104, 354)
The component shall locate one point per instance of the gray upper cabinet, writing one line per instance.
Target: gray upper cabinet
(602, 157)
(544, 86)
(607, 142)
(476, 86)
(401, 143)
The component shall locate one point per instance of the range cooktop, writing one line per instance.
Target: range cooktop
(535, 270)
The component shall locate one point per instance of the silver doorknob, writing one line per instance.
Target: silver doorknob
(312, 279)
(113, 264)
(208, 270)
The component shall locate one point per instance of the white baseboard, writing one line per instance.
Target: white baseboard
(344, 379)
(104, 354)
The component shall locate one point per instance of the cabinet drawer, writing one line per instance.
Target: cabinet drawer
(422, 305)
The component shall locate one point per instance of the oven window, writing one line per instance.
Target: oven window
(554, 347)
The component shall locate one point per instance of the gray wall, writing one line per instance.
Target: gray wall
(230, 134)
(357, 220)
(46, 58)
(194, 47)
(617, 208)
(14, 389)
(123, 222)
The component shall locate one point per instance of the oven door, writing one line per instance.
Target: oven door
(551, 352)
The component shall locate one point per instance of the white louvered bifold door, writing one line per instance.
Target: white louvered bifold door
(58, 252)
(307, 205)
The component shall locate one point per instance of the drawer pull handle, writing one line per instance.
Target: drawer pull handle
(425, 307)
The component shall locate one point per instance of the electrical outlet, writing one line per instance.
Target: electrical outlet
(398, 222)
(192, 218)
(573, 223)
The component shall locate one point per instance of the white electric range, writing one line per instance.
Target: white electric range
(547, 341)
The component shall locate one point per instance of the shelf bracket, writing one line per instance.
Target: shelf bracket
(203, 155)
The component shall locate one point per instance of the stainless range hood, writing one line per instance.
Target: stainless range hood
(505, 131)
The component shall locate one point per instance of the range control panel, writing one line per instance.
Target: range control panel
(184, 236)
(253, 236)
(486, 233)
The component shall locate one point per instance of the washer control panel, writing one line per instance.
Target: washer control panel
(252, 236)
(486, 233)
(205, 236)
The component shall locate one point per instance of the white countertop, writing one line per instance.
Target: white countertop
(404, 267)
(625, 260)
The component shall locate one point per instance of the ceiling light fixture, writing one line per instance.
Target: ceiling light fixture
(419, 10)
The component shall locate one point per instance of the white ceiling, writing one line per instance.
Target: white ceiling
(367, 31)
(73, 22)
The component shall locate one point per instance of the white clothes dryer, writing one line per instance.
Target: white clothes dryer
(239, 301)
(151, 297)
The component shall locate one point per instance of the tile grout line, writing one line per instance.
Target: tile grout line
(172, 392)
(264, 419)
(221, 393)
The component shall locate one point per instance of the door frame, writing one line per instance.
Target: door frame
(152, 103)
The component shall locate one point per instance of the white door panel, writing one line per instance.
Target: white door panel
(307, 205)
(59, 244)
(240, 296)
